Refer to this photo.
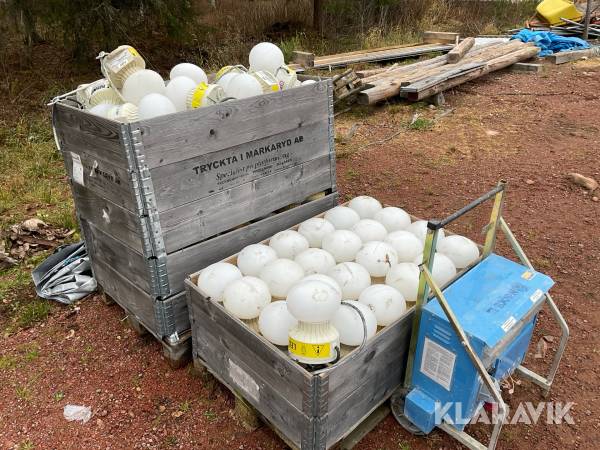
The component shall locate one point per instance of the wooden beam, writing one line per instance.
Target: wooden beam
(305, 59)
(565, 57)
(460, 50)
(440, 37)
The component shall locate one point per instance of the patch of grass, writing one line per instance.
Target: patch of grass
(32, 312)
(352, 174)
(31, 351)
(171, 441)
(58, 396)
(23, 393)
(26, 445)
(7, 362)
(403, 446)
(421, 124)
(185, 407)
(210, 415)
(542, 263)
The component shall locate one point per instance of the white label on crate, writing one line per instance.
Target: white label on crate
(536, 295)
(244, 381)
(77, 168)
(508, 324)
(438, 363)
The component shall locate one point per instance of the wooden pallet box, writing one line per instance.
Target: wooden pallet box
(159, 196)
(307, 410)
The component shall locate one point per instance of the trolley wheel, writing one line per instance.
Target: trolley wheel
(397, 406)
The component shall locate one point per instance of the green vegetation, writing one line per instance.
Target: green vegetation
(421, 124)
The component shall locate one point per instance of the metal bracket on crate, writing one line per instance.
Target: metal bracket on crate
(332, 165)
(152, 241)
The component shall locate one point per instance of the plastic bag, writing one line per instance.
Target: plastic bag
(77, 412)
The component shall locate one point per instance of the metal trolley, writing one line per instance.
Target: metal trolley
(473, 352)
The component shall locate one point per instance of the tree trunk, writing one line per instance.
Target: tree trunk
(318, 15)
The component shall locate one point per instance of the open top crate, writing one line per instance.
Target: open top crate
(307, 410)
(158, 196)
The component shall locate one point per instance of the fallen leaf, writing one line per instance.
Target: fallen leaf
(177, 414)
(541, 349)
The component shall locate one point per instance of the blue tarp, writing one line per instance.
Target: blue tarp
(549, 42)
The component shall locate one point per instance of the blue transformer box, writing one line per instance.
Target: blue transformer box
(496, 303)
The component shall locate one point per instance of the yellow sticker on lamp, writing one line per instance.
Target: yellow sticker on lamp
(309, 350)
(133, 51)
(198, 95)
(527, 275)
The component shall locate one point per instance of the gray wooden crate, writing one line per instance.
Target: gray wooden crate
(158, 196)
(309, 411)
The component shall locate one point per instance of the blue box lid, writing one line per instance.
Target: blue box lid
(492, 297)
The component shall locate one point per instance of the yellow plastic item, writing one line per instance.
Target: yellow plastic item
(553, 10)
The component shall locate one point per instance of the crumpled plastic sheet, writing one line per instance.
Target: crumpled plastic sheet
(549, 42)
(66, 275)
(78, 413)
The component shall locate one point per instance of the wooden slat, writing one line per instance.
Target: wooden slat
(183, 262)
(564, 57)
(187, 224)
(110, 218)
(87, 132)
(176, 137)
(127, 295)
(352, 410)
(198, 177)
(386, 346)
(121, 258)
(271, 364)
(102, 177)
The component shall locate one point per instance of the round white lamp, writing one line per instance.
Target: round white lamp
(377, 257)
(275, 322)
(349, 324)
(393, 219)
(366, 207)
(288, 244)
(342, 217)
(352, 279)
(387, 303)
(314, 229)
(342, 244)
(369, 230)
(254, 257)
(213, 280)
(315, 260)
(280, 275)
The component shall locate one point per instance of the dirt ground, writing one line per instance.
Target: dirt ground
(529, 129)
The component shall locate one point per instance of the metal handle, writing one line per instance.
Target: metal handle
(437, 224)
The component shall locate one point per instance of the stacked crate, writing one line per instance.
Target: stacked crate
(158, 197)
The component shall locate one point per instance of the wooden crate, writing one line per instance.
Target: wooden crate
(158, 196)
(308, 411)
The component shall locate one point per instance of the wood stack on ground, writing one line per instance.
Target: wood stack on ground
(309, 60)
(427, 78)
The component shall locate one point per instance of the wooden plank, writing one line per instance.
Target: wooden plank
(527, 67)
(201, 176)
(102, 177)
(460, 50)
(440, 37)
(93, 134)
(182, 262)
(408, 52)
(121, 258)
(383, 349)
(565, 57)
(112, 219)
(448, 74)
(176, 137)
(192, 222)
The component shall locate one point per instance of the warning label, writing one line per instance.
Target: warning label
(438, 363)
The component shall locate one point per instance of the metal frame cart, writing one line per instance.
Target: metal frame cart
(473, 333)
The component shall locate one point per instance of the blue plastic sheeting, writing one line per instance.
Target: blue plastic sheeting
(549, 42)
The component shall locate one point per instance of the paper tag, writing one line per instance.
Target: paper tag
(438, 363)
(508, 324)
(309, 350)
(536, 295)
(77, 169)
(244, 381)
(527, 275)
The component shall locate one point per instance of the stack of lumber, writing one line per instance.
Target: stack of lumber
(427, 78)
(309, 60)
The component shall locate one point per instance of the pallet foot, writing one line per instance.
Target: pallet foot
(365, 427)
(178, 355)
(245, 414)
(136, 325)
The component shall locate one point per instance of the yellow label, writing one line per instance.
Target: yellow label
(275, 87)
(198, 95)
(133, 51)
(222, 71)
(309, 350)
(527, 275)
